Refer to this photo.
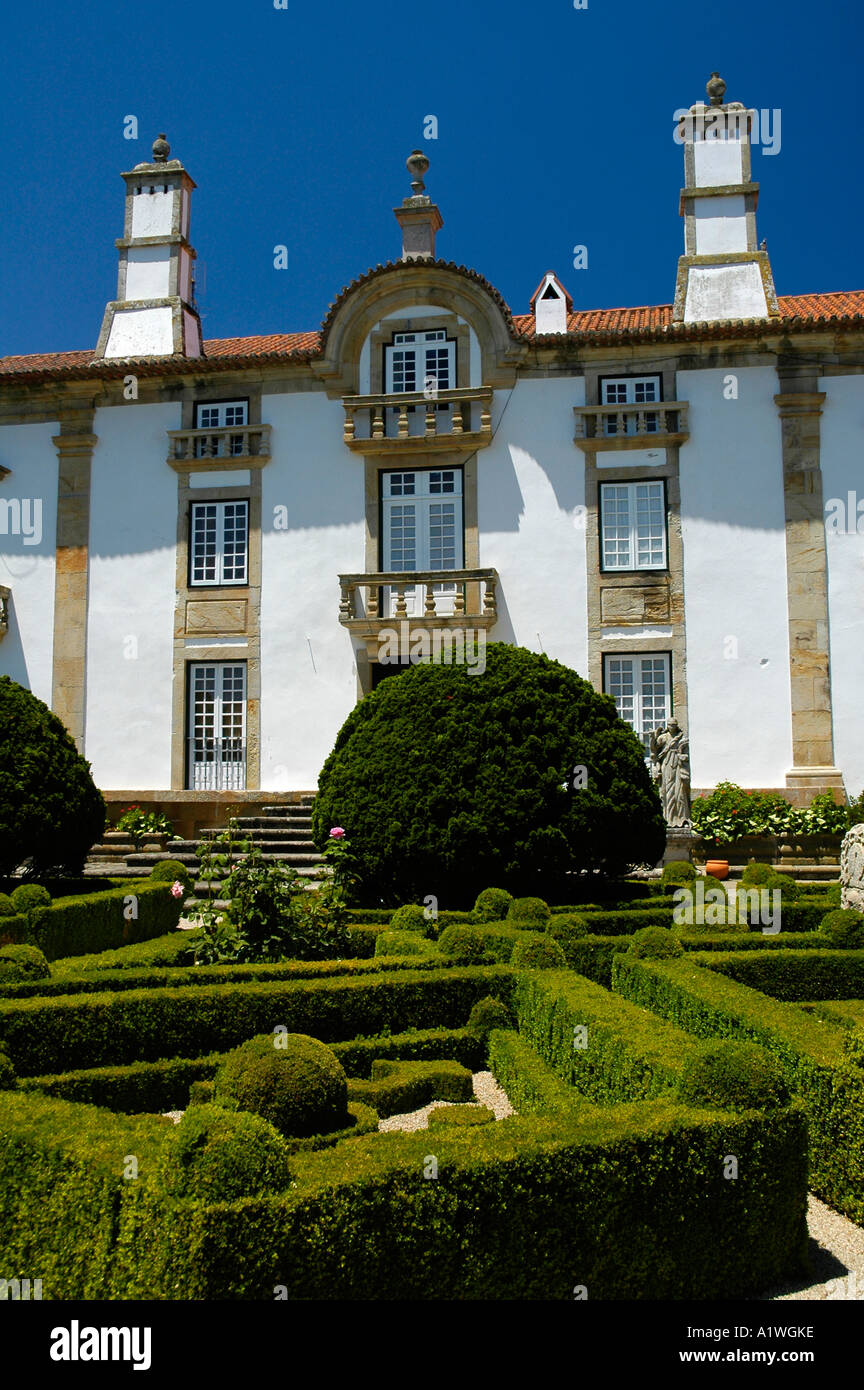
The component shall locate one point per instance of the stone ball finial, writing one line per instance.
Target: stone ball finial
(417, 164)
(715, 87)
(161, 149)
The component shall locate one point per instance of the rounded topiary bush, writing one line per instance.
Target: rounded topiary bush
(755, 874)
(172, 871)
(655, 943)
(537, 951)
(489, 1013)
(412, 917)
(292, 1080)
(568, 926)
(218, 1155)
(22, 962)
(789, 889)
(492, 905)
(29, 895)
(678, 872)
(7, 908)
(737, 1075)
(50, 810)
(462, 944)
(528, 912)
(446, 779)
(401, 943)
(844, 928)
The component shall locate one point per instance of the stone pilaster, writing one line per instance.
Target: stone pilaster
(75, 453)
(800, 407)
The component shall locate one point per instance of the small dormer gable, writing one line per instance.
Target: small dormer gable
(550, 305)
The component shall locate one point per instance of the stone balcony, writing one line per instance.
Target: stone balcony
(653, 424)
(5, 595)
(405, 422)
(370, 602)
(240, 446)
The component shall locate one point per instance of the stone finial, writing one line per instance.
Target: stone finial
(161, 149)
(417, 164)
(715, 87)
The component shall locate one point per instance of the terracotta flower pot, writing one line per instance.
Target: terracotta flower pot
(717, 868)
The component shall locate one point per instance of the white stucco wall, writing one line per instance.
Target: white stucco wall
(717, 163)
(721, 225)
(531, 487)
(27, 650)
(308, 669)
(151, 213)
(842, 474)
(724, 292)
(733, 527)
(140, 333)
(133, 536)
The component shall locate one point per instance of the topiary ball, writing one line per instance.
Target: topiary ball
(292, 1080)
(30, 895)
(568, 926)
(492, 905)
(413, 918)
(22, 962)
(537, 951)
(218, 1155)
(843, 928)
(655, 943)
(7, 1073)
(487, 1014)
(462, 944)
(733, 1075)
(679, 871)
(401, 943)
(790, 890)
(757, 874)
(7, 907)
(528, 912)
(172, 871)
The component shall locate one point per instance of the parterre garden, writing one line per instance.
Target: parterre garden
(676, 1088)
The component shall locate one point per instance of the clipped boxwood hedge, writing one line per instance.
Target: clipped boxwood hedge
(397, 1086)
(814, 974)
(98, 921)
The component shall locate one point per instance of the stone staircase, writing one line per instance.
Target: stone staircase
(283, 834)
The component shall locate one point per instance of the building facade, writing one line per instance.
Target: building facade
(208, 550)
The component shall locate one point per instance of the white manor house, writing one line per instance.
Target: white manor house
(205, 547)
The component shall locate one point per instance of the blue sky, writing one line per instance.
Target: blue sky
(554, 130)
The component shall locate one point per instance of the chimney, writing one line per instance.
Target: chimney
(418, 216)
(723, 273)
(550, 305)
(154, 314)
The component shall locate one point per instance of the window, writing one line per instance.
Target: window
(641, 687)
(217, 726)
(633, 526)
(220, 415)
(420, 362)
(422, 528)
(219, 543)
(630, 390)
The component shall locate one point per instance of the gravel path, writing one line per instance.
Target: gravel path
(837, 1255)
(487, 1093)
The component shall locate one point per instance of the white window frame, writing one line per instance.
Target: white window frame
(220, 415)
(631, 390)
(624, 542)
(216, 727)
(419, 346)
(639, 705)
(431, 490)
(222, 514)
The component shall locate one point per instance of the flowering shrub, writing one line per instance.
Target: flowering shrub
(729, 812)
(139, 824)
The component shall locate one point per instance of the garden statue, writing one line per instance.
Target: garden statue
(852, 868)
(670, 766)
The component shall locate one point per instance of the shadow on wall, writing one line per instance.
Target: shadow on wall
(12, 662)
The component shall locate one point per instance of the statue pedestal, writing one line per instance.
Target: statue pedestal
(679, 845)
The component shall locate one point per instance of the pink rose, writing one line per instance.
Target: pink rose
(177, 889)
(336, 833)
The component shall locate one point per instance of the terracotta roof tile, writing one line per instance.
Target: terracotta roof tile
(589, 325)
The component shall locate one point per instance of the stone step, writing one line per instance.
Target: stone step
(273, 828)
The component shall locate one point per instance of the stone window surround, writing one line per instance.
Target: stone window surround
(654, 646)
(382, 337)
(230, 620)
(636, 569)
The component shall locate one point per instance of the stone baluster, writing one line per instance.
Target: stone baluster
(401, 605)
(346, 602)
(403, 421)
(372, 601)
(431, 419)
(459, 604)
(457, 426)
(350, 425)
(378, 422)
(490, 599)
(486, 417)
(429, 605)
